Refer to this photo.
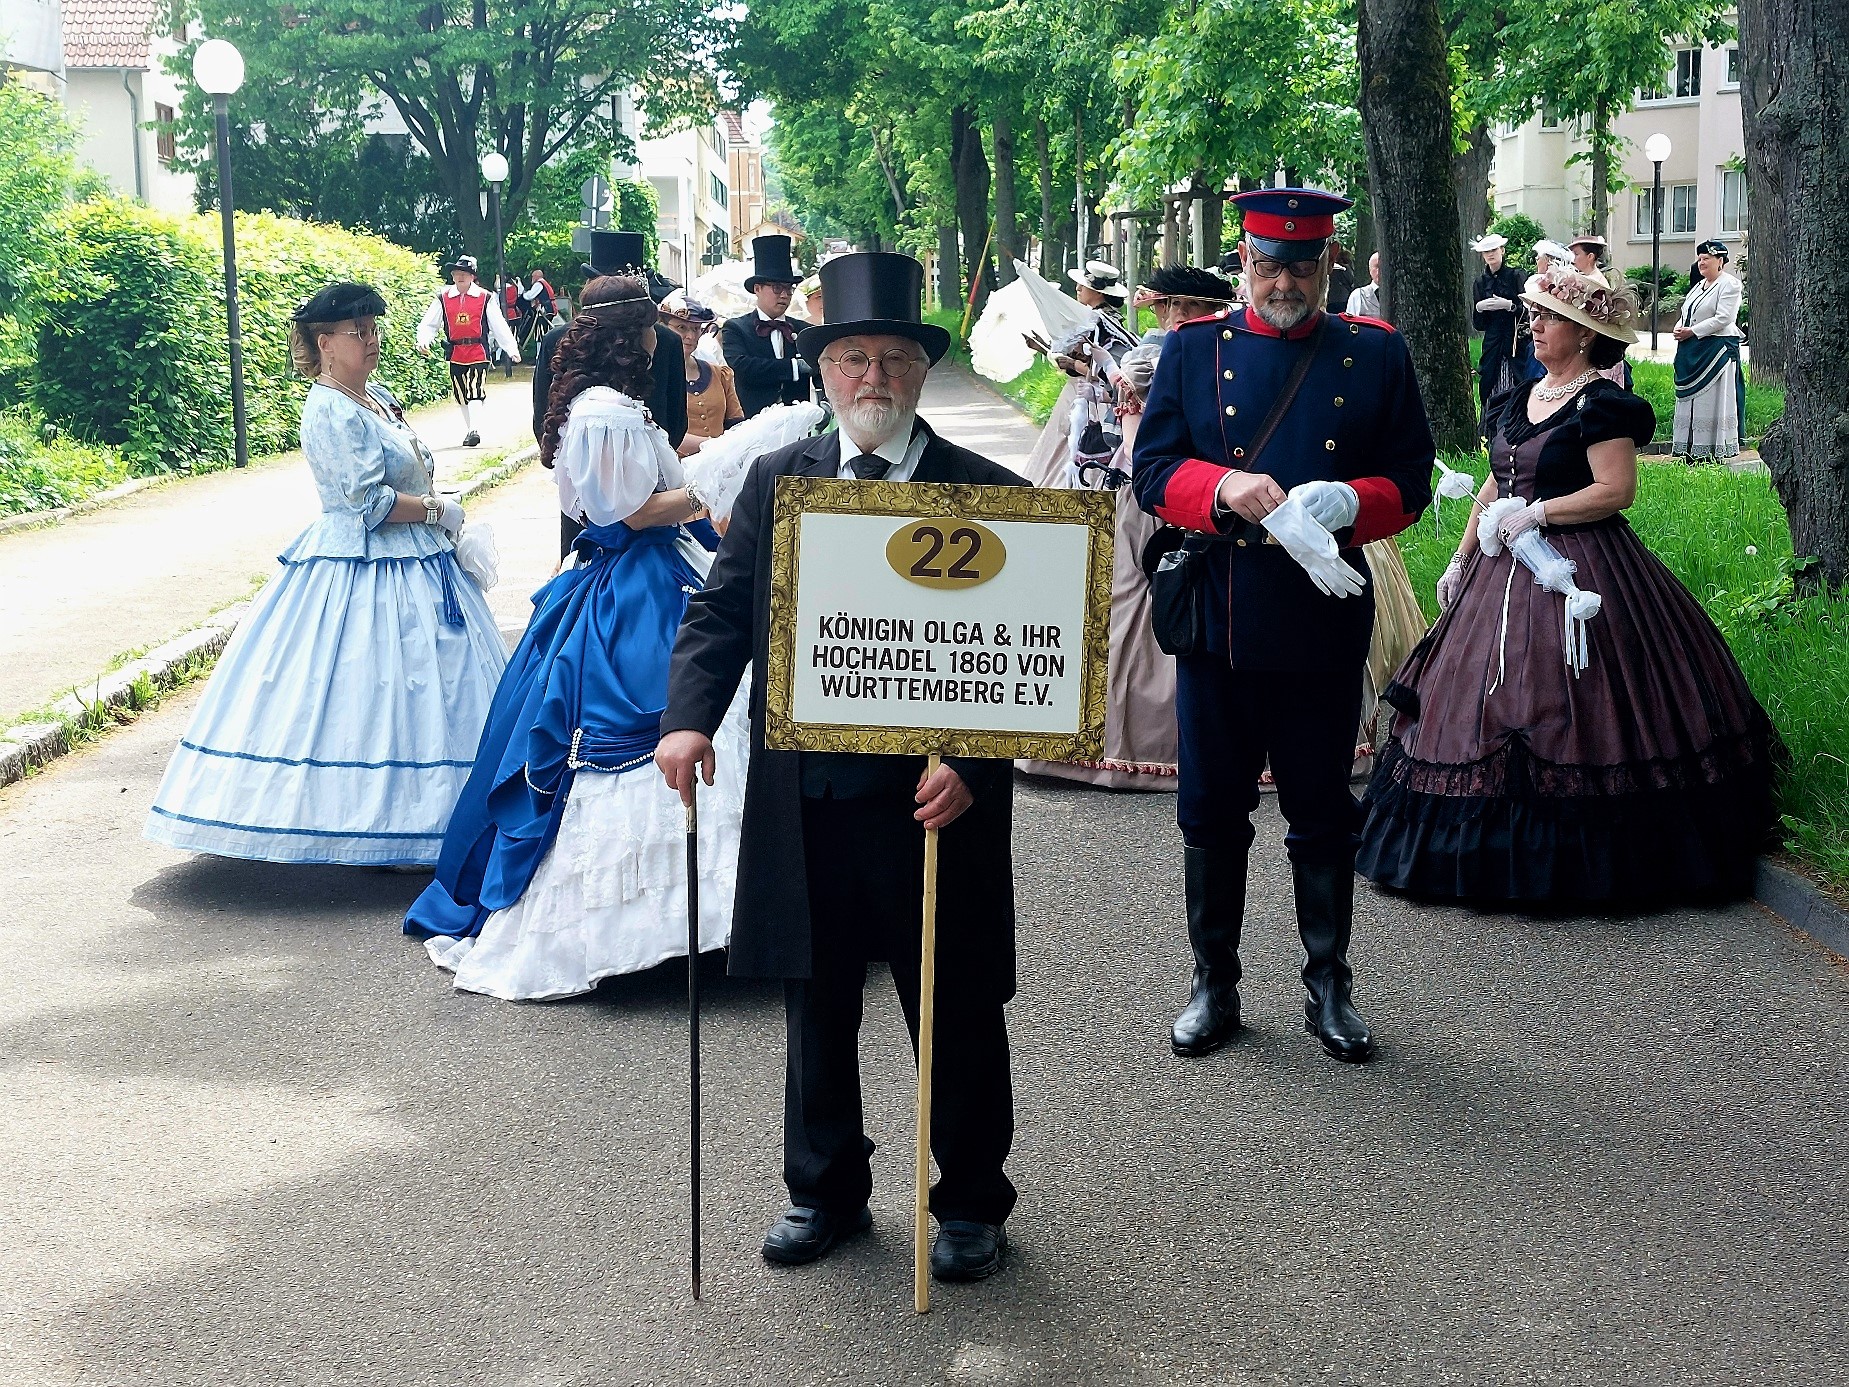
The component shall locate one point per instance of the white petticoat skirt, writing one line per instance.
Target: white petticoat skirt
(611, 895)
(342, 719)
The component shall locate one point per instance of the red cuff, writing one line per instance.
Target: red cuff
(1383, 511)
(1187, 500)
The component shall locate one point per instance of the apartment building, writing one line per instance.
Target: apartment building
(1697, 105)
(692, 180)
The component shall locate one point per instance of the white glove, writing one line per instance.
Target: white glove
(1333, 505)
(1449, 582)
(1488, 538)
(451, 517)
(1454, 484)
(1314, 548)
(1515, 523)
(1494, 304)
(476, 553)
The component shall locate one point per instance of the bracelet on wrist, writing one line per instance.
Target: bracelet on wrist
(433, 509)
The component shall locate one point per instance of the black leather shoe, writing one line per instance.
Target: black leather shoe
(1216, 889)
(1325, 894)
(471, 439)
(808, 1235)
(966, 1251)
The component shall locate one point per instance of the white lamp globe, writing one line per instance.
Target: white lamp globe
(218, 67)
(1656, 148)
(494, 167)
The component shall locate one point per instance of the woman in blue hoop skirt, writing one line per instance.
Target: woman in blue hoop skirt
(343, 716)
(565, 859)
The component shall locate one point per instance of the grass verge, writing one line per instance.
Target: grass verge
(1723, 534)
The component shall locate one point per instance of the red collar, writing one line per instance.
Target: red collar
(1254, 323)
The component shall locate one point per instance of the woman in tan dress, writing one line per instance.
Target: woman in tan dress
(712, 397)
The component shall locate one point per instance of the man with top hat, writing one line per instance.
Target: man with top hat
(466, 315)
(831, 858)
(1278, 411)
(1495, 312)
(622, 253)
(760, 346)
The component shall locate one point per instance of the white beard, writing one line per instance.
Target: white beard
(870, 423)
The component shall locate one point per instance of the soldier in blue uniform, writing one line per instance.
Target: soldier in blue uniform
(1280, 672)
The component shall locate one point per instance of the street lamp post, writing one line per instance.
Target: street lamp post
(218, 68)
(1656, 150)
(494, 169)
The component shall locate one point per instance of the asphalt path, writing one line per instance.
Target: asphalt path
(253, 1137)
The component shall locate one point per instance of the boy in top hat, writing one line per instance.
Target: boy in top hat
(622, 253)
(831, 859)
(465, 313)
(1224, 442)
(760, 346)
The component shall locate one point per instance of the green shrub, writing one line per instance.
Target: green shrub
(547, 249)
(133, 349)
(1656, 382)
(1668, 280)
(40, 470)
(127, 352)
(1523, 231)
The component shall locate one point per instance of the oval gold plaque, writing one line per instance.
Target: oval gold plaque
(946, 553)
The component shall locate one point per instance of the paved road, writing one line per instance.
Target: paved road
(254, 1138)
(133, 574)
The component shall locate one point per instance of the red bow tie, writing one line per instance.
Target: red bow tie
(767, 326)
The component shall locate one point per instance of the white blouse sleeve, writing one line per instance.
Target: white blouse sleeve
(611, 459)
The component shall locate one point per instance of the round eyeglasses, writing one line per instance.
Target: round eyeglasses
(853, 364)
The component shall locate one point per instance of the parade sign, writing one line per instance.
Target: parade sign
(910, 618)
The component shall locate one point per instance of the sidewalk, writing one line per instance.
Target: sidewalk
(139, 571)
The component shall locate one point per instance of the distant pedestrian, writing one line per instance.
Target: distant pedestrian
(1364, 301)
(712, 396)
(343, 715)
(1710, 386)
(1587, 251)
(1495, 312)
(465, 314)
(760, 346)
(1341, 276)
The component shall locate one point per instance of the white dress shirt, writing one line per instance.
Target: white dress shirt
(902, 451)
(776, 342)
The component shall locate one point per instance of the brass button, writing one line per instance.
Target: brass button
(1348, 361)
(1239, 452)
(1231, 410)
(1226, 334)
(1354, 328)
(1292, 202)
(1226, 375)
(1290, 226)
(1240, 542)
(1338, 401)
(1329, 445)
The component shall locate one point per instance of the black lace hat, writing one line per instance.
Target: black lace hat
(339, 302)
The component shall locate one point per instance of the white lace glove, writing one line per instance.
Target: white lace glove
(478, 556)
(1333, 505)
(1494, 304)
(1488, 521)
(451, 517)
(1450, 581)
(1314, 548)
(1516, 523)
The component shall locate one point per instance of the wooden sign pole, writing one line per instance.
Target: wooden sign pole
(927, 1030)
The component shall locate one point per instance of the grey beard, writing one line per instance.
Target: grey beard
(872, 423)
(1283, 316)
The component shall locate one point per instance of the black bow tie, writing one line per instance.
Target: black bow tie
(869, 467)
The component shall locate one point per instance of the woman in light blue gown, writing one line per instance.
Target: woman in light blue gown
(343, 717)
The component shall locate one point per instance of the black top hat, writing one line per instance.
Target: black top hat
(339, 302)
(873, 293)
(626, 253)
(771, 262)
(463, 262)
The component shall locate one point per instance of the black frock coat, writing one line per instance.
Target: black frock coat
(762, 377)
(667, 397)
(727, 626)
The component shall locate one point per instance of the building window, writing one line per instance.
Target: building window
(1582, 214)
(1688, 72)
(1733, 65)
(1550, 116)
(1733, 199)
(163, 134)
(1678, 211)
(716, 189)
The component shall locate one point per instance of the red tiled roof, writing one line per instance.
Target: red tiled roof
(108, 33)
(734, 128)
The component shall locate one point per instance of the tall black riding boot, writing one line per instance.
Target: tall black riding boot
(1325, 915)
(1216, 883)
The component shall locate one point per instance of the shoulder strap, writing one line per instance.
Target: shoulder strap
(1281, 406)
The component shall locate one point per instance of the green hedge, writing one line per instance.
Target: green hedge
(41, 470)
(132, 350)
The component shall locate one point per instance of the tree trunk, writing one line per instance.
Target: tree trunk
(1049, 245)
(1601, 167)
(972, 189)
(1213, 220)
(1768, 263)
(1007, 223)
(1470, 168)
(1797, 81)
(1406, 114)
(1365, 233)
(1083, 228)
(949, 278)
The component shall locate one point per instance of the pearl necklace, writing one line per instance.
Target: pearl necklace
(1560, 392)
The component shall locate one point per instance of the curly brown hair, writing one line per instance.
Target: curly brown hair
(608, 343)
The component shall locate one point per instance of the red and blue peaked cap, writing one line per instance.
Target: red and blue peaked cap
(1289, 223)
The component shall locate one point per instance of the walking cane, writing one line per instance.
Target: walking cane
(693, 1012)
(927, 1016)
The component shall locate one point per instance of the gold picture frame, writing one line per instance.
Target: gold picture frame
(800, 496)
